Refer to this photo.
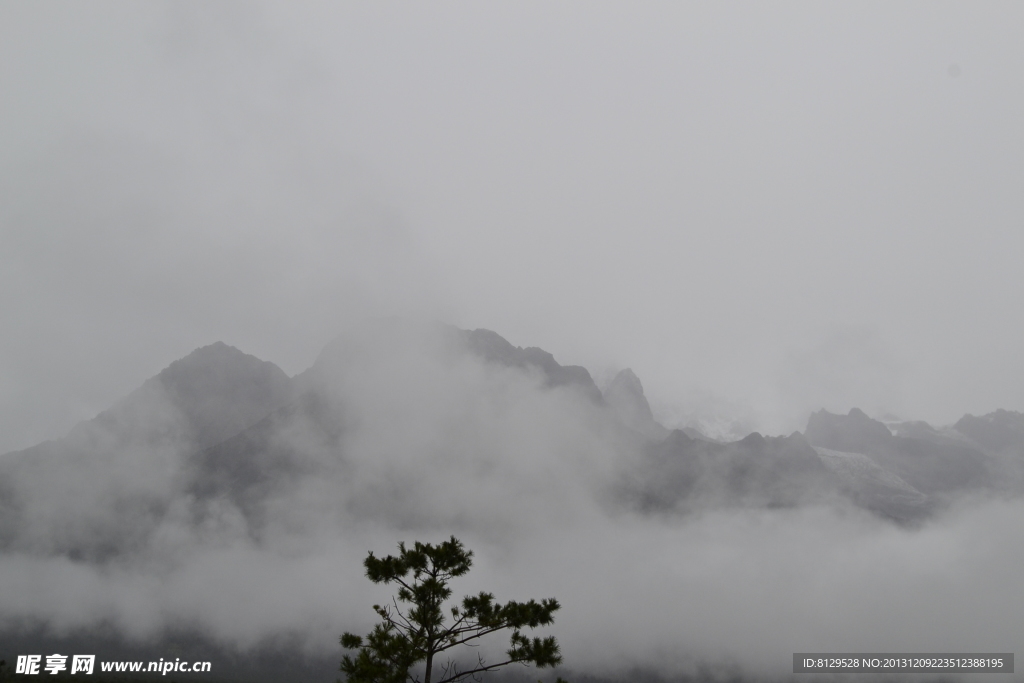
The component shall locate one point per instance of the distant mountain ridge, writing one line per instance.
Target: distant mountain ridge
(212, 422)
(225, 451)
(494, 348)
(999, 431)
(683, 473)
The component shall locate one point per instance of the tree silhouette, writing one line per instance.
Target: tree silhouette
(418, 633)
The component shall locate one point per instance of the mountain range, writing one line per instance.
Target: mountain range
(222, 448)
(212, 427)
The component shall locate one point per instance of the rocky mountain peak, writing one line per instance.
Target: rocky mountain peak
(854, 432)
(625, 396)
(494, 348)
(212, 393)
(997, 431)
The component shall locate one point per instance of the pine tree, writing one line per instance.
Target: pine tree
(407, 636)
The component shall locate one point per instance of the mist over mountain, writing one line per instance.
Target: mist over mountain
(625, 395)
(107, 484)
(225, 508)
(730, 364)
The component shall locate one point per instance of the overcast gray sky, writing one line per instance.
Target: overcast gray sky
(782, 206)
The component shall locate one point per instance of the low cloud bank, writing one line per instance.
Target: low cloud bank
(415, 440)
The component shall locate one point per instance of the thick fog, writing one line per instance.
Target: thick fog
(762, 210)
(433, 443)
(770, 210)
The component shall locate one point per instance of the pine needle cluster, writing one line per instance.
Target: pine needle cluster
(416, 628)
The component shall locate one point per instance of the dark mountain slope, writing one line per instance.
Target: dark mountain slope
(493, 348)
(998, 432)
(307, 438)
(930, 465)
(104, 486)
(872, 487)
(264, 460)
(683, 473)
(625, 396)
(196, 401)
(219, 391)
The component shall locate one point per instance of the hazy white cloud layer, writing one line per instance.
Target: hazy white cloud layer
(730, 202)
(763, 210)
(734, 589)
(436, 444)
